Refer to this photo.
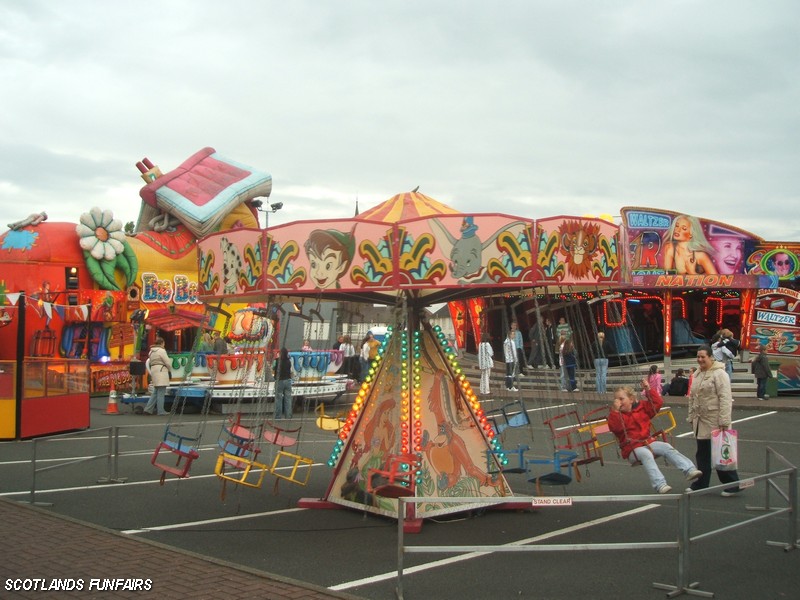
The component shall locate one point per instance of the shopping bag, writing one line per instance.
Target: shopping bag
(724, 451)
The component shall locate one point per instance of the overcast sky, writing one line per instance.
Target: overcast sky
(529, 108)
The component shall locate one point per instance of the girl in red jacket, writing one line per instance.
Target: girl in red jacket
(629, 419)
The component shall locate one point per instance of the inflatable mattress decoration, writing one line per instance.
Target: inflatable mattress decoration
(204, 189)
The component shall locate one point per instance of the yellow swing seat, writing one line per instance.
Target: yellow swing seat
(295, 462)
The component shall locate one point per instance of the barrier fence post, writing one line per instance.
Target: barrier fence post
(401, 517)
(793, 503)
(112, 458)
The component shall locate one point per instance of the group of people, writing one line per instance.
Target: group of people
(357, 361)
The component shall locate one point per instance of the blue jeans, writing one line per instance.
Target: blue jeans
(283, 398)
(570, 369)
(600, 372)
(364, 368)
(729, 368)
(647, 456)
(157, 400)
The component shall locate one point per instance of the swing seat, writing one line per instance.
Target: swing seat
(242, 469)
(239, 440)
(396, 479)
(295, 462)
(175, 445)
(519, 451)
(509, 415)
(562, 459)
(569, 433)
(280, 436)
(328, 422)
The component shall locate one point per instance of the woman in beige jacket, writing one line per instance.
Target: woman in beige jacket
(157, 364)
(710, 404)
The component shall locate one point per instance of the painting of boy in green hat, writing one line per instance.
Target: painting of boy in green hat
(330, 254)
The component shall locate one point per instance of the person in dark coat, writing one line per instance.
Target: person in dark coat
(762, 371)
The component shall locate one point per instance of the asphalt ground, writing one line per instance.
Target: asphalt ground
(347, 552)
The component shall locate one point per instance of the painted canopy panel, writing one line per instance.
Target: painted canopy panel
(358, 256)
(572, 250)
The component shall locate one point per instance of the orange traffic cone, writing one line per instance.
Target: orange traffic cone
(112, 408)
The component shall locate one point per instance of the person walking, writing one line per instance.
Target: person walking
(510, 358)
(519, 344)
(485, 363)
(762, 371)
(349, 358)
(535, 359)
(570, 365)
(550, 341)
(157, 365)
(369, 350)
(724, 348)
(283, 385)
(710, 407)
(601, 350)
(629, 420)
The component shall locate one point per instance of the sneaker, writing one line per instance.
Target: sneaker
(563, 389)
(730, 494)
(664, 489)
(576, 390)
(694, 474)
(513, 390)
(766, 396)
(687, 490)
(760, 399)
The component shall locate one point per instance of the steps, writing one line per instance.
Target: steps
(549, 380)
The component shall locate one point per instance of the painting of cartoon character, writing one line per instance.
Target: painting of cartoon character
(467, 260)
(231, 266)
(330, 254)
(579, 243)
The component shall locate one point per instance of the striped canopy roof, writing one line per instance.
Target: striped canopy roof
(406, 206)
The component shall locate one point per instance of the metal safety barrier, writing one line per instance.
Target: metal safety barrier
(111, 455)
(682, 543)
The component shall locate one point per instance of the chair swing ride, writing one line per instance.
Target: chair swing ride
(416, 427)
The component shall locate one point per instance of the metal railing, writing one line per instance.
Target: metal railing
(111, 455)
(682, 543)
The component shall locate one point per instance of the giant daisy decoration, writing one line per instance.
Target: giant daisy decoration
(105, 248)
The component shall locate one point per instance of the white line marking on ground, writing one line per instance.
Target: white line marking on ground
(209, 521)
(758, 416)
(471, 555)
(130, 483)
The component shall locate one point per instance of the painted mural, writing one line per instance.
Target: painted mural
(421, 254)
(577, 251)
(430, 418)
(775, 325)
(667, 249)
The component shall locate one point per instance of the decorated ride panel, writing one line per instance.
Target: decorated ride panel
(776, 316)
(425, 253)
(672, 250)
(428, 417)
(573, 250)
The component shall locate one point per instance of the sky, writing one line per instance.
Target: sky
(530, 108)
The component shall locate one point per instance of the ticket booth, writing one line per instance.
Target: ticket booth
(38, 395)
